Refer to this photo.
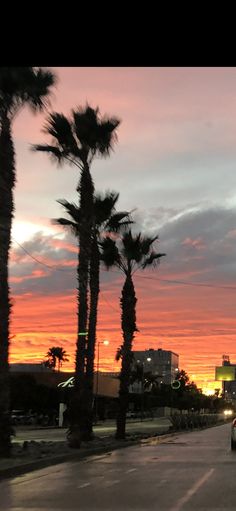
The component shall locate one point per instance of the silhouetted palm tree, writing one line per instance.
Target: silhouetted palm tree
(148, 379)
(56, 356)
(106, 219)
(19, 86)
(132, 253)
(78, 140)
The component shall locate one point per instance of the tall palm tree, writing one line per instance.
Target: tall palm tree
(19, 86)
(106, 219)
(56, 356)
(132, 253)
(77, 140)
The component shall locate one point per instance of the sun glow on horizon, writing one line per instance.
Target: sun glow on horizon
(24, 231)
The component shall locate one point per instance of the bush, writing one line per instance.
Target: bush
(192, 421)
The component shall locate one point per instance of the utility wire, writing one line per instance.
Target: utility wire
(114, 308)
(169, 281)
(189, 283)
(40, 262)
(184, 282)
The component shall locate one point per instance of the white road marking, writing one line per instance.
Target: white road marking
(84, 485)
(178, 506)
(115, 481)
(96, 457)
(131, 470)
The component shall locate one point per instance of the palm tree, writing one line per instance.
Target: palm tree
(19, 86)
(56, 355)
(78, 140)
(135, 252)
(106, 219)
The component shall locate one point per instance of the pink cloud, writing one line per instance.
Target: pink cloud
(198, 243)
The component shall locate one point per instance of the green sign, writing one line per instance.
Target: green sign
(225, 373)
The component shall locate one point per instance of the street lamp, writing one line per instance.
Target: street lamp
(105, 343)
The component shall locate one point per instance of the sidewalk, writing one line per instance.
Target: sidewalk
(38, 448)
(103, 429)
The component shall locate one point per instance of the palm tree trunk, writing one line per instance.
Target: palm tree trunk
(7, 181)
(77, 412)
(94, 294)
(128, 321)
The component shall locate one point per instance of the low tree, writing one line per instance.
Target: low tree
(56, 356)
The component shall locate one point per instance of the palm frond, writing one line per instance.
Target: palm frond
(63, 221)
(94, 133)
(115, 224)
(61, 129)
(74, 228)
(104, 205)
(107, 135)
(132, 247)
(24, 85)
(119, 353)
(109, 252)
(152, 260)
(46, 148)
(147, 242)
(85, 125)
(107, 199)
(37, 88)
(71, 209)
(74, 213)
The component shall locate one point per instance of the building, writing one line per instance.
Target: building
(24, 367)
(105, 384)
(226, 373)
(161, 363)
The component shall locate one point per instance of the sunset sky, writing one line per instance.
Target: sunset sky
(174, 164)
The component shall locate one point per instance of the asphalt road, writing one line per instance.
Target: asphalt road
(186, 472)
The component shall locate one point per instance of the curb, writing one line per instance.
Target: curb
(86, 453)
(54, 460)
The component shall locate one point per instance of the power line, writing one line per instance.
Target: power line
(169, 281)
(57, 269)
(40, 262)
(114, 308)
(183, 282)
(189, 283)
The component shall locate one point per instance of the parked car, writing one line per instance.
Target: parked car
(130, 415)
(30, 419)
(233, 435)
(17, 417)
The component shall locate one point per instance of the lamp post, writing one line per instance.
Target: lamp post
(105, 343)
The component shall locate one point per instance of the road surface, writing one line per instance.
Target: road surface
(187, 472)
